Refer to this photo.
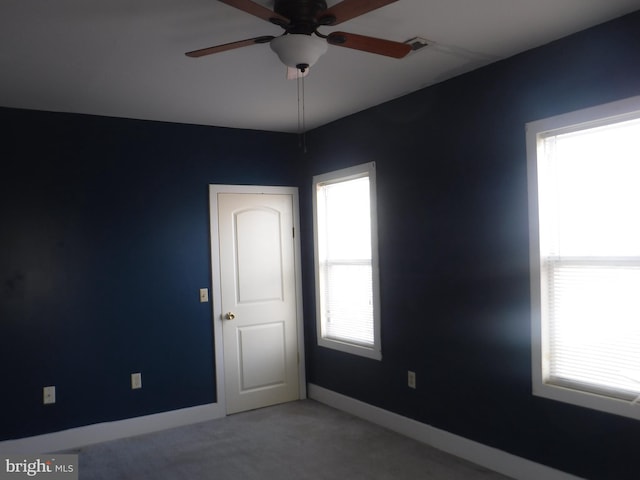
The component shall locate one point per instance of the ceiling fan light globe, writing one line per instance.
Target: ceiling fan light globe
(299, 49)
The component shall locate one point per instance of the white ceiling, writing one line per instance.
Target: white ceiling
(125, 58)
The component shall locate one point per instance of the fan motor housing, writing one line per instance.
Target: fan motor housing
(302, 13)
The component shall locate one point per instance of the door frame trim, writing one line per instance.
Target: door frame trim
(216, 293)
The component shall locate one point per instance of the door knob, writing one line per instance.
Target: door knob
(230, 315)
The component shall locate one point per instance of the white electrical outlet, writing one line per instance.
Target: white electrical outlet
(136, 381)
(49, 395)
(411, 379)
(204, 295)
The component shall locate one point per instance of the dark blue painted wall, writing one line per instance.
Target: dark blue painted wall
(453, 248)
(104, 244)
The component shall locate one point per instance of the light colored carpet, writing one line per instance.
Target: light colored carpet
(302, 440)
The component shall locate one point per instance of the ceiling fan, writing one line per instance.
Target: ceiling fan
(302, 44)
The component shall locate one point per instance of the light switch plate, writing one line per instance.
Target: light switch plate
(204, 295)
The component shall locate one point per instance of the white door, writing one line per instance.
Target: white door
(258, 301)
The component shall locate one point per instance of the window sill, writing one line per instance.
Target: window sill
(368, 352)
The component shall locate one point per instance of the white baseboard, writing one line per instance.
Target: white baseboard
(488, 457)
(104, 432)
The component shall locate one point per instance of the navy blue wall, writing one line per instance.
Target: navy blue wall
(104, 244)
(453, 248)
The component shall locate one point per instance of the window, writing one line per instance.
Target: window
(346, 260)
(584, 187)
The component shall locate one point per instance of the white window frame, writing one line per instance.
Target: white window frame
(535, 132)
(351, 173)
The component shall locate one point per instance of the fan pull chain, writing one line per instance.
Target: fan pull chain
(299, 124)
(302, 129)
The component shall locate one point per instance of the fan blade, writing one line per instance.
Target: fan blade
(258, 10)
(228, 46)
(348, 9)
(375, 45)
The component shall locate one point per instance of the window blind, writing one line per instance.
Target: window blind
(348, 302)
(589, 204)
(344, 251)
(594, 326)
